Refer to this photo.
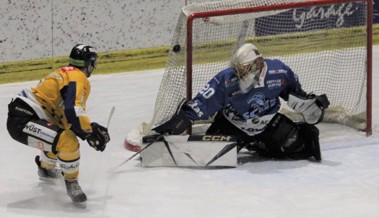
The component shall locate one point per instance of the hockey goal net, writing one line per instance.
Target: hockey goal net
(326, 43)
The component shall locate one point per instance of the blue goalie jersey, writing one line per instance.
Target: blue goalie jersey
(250, 111)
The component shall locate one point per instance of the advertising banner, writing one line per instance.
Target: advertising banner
(376, 11)
(306, 19)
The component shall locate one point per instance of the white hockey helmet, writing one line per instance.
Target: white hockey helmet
(244, 60)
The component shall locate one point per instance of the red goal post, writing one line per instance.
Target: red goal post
(329, 55)
(215, 13)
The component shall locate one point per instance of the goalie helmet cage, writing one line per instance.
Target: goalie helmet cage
(329, 51)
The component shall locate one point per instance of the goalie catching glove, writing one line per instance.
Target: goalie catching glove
(99, 137)
(312, 107)
(176, 124)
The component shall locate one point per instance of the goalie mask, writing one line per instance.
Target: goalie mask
(247, 63)
(83, 57)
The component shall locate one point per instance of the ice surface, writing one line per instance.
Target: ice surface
(344, 184)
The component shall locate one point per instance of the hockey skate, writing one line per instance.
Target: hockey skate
(45, 174)
(74, 191)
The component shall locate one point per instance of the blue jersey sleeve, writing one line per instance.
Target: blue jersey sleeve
(293, 84)
(209, 100)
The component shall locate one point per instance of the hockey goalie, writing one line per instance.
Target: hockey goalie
(244, 102)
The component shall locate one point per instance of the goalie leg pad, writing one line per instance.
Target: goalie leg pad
(279, 138)
(309, 137)
(222, 126)
(284, 138)
(190, 151)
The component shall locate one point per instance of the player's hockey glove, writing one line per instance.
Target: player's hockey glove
(174, 125)
(99, 137)
(312, 106)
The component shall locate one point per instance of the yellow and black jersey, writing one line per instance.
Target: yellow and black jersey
(63, 95)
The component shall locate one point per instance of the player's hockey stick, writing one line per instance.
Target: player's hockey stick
(144, 148)
(110, 115)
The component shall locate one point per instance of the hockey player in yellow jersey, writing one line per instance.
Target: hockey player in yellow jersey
(52, 115)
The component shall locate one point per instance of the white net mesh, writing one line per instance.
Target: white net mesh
(324, 45)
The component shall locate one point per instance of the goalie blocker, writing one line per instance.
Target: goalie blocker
(176, 124)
